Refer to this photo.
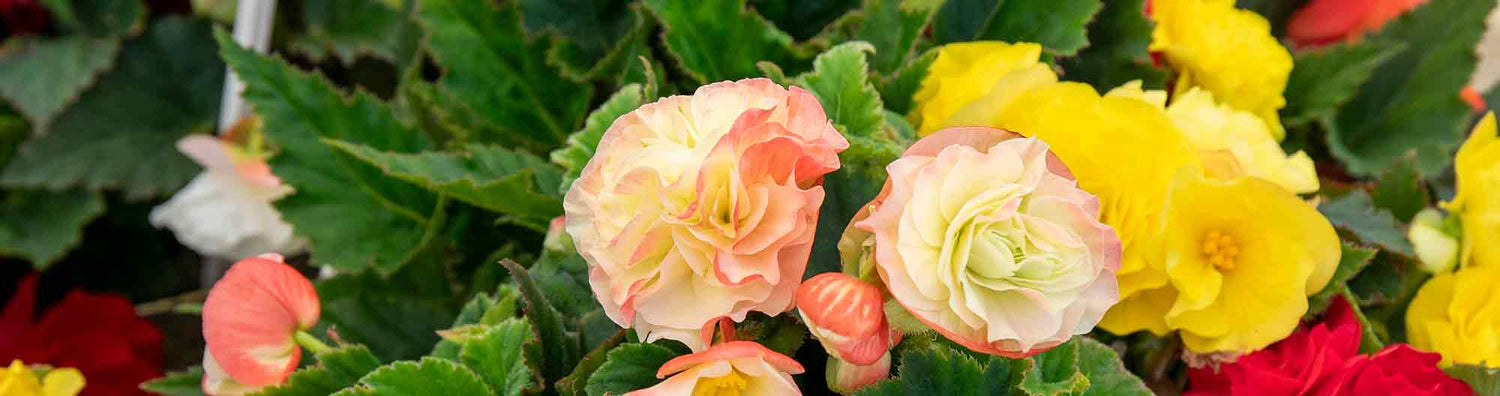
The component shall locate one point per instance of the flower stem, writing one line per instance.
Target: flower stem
(312, 343)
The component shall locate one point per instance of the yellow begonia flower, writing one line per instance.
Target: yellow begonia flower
(1243, 255)
(19, 380)
(1231, 143)
(1478, 200)
(1227, 51)
(1457, 315)
(967, 81)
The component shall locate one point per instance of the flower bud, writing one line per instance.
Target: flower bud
(1437, 251)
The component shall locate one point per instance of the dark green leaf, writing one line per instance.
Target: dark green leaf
(593, 38)
(182, 383)
(490, 177)
(336, 369)
(1117, 52)
(1401, 191)
(1275, 11)
(1105, 371)
(122, 133)
(42, 76)
(1388, 280)
(938, 370)
(898, 90)
(490, 64)
(582, 143)
(348, 29)
(1055, 372)
(782, 333)
(720, 40)
(1369, 341)
(841, 80)
(576, 382)
(1355, 213)
(498, 356)
(40, 226)
(1326, 78)
(397, 320)
(430, 376)
(1058, 25)
(1353, 260)
(98, 18)
(963, 20)
(554, 352)
(892, 26)
(1484, 380)
(1411, 103)
(300, 111)
(803, 19)
(629, 367)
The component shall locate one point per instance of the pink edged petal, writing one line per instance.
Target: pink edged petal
(979, 138)
(842, 304)
(216, 382)
(208, 151)
(728, 351)
(848, 377)
(250, 316)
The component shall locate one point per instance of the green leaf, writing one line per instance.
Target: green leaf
(182, 383)
(480, 310)
(1326, 78)
(893, 27)
(40, 76)
(41, 226)
(582, 143)
(1412, 103)
(347, 29)
(430, 376)
(1401, 191)
(629, 367)
(841, 80)
(554, 353)
(1355, 213)
(122, 133)
(898, 90)
(1484, 380)
(1353, 260)
(490, 177)
(1275, 11)
(1058, 25)
(576, 382)
(1389, 280)
(394, 317)
(939, 370)
(1055, 372)
(720, 40)
(1117, 52)
(98, 18)
(782, 333)
(1105, 371)
(1369, 341)
(803, 19)
(301, 110)
(592, 39)
(492, 66)
(336, 369)
(498, 357)
(962, 20)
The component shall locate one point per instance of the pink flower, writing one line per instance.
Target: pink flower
(250, 318)
(701, 207)
(986, 238)
(846, 315)
(729, 368)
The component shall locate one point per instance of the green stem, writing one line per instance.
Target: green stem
(312, 343)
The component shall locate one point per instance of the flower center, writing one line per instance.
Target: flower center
(1220, 249)
(731, 384)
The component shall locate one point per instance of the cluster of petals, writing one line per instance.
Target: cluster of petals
(710, 199)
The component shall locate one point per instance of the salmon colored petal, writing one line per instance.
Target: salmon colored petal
(250, 316)
(847, 315)
(728, 351)
(1326, 21)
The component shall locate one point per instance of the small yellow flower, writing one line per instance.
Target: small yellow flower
(1242, 256)
(1457, 315)
(1227, 51)
(19, 380)
(1231, 143)
(1478, 200)
(969, 82)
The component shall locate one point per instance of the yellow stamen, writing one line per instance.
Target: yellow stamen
(731, 384)
(1221, 250)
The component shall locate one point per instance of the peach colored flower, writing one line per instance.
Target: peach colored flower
(731, 368)
(250, 318)
(986, 238)
(700, 207)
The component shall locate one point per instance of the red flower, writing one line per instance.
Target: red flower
(99, 334)
(22, 17)
(1324, 360)
(1323, 22)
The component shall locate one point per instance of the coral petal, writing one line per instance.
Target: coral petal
(251, 315)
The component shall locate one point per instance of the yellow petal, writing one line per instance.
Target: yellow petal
(1227, 51)
(963, 73)
(1140, 311)
(62, 382)
(1478, 200)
